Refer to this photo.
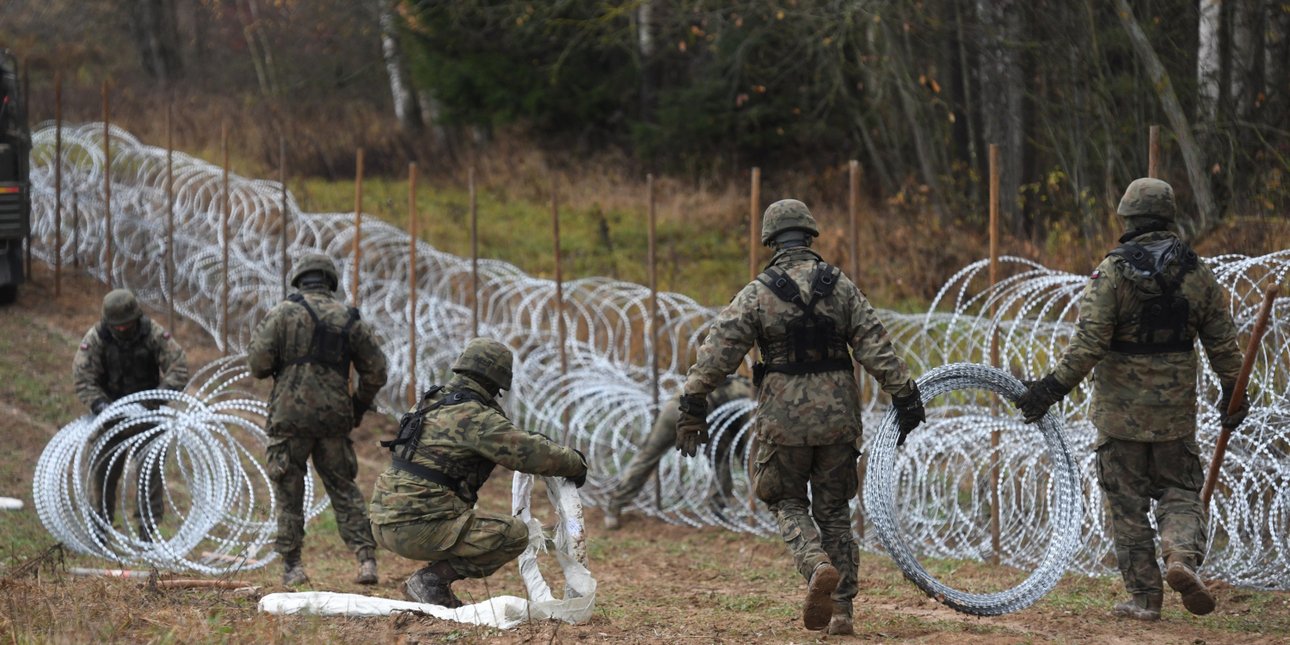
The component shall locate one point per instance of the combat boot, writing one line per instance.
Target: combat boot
(1143, 606)
(818, 608)
(430, 585)
(1196, 597)
(840, 624)
(612, 509)
(366, 572)
(293, 573)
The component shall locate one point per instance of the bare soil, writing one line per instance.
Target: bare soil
(657, 582)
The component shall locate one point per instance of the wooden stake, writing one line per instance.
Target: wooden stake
(76, 230)
(1238, 394)
(995, 435)
(58, 182)
(853, 239)
(412, 283)
(1153, 151)
(754, 223)
(26, 116)
(170, 218)
(107, 187)
(559, 280)
(474, 254)
(286, 215)
(358, 224)
(652, 324)
(224, 217)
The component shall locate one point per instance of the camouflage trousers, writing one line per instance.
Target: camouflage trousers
(107, 479)
(475, 548)
(337, 466)
(1132, 474)
(662, 437)
(818, 530)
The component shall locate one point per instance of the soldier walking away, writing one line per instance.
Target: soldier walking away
(307, 344)
(663, 436)
(423, 505)
(124, 353)
(809, 320)
(1141, 313)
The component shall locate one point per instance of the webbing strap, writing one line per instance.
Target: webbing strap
(1130, 347)
(431, 475)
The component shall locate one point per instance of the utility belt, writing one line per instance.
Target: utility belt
(760, 370)
(1173, 347)
(456, 484)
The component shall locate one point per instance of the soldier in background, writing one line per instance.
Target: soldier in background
(809, 320)
(1141, 313)
(663, 436)
(124, 353)
(423, 505)
(307, 344)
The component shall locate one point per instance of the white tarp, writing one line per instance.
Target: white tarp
(505, 612)
(10, 504)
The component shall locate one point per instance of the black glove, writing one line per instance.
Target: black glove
(1233, 420)
(1039, 396)
(581, 478)
(359, 410)
(692, 424)
(909, 412)
(98, 407)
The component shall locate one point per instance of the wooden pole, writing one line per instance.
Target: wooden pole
(1153, 151)
(26, 116)
(358, 223)
(995, 435)
(224, 217)
(170, 217)
(1238, 394)
(412, 283)
(853, 239)
(754, 223)
(58, 182)
(652, 324)
(559, 279)
(286, 216)
(474, 254)
(76, 230)
(107, 187)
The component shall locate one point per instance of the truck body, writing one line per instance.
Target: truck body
(15, 185)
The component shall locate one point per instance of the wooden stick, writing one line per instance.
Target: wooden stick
(224, 217)
(412, 283)
(559, 279)
(26, 117)
(754, 241)
(76, 230)
(474, 254)
(170, 218)
(652, 323)
(995, 435)
(286, 216)
(107, 186)
(58, 182)
(1153, 151)
(358, 224)
(1238, 394)
(853, 239)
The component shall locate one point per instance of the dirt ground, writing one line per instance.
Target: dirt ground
(657, 582)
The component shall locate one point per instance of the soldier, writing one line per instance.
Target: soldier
(663, 436)
(1141, 313)
(307, 344)
(125, 353)
(808, 414)
(423, 505)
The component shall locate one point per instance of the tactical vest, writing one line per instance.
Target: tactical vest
(329, 345)
(811, 343)
(129, 366)
(450, 473)
(1162, 325)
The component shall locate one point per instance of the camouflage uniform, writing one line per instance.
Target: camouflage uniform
(426, 520)
(1144, 403)
(110, 365)
(808, 425)
(311, 413)
(662, 437)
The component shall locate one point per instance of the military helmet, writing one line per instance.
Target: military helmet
(120, 307)
(316, 262)
(786, 215)
(1148, 197)
(486, 358)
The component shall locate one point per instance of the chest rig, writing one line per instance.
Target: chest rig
(329, 345)
(1162, 324)
(450, 473)
(130, 365)
(811, 342)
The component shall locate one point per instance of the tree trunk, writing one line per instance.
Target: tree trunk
(1002, 99)
(1197, 173)
(1276, 57)
(405, 100)
(1209, 64)
(155, 30)
(1246, 41)
(646, 35)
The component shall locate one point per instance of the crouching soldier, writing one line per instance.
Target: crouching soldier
(423, 505)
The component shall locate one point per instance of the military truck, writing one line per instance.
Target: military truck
(15, 187)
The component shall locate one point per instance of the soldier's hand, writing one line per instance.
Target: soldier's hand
(909, 412)
(692, 424)
(580, 479)
(1038, 397)
(359, 410)
(1232, 420)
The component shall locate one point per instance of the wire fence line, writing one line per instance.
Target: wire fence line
(599, 399)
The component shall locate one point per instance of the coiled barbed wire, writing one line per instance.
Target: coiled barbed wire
(203, 450)
(603, 404)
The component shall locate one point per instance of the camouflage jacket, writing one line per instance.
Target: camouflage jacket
(312, 399)
(466, 441)
(804, 409)
(1146, 397)
(107, 368)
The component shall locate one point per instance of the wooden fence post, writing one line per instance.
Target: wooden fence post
(412, 283)
(358, 224)
(170, 217)
(58, 183)
(1153, 151)
(286, 216)
(107, 186)
(995, 435)
(224, 217)
(474, 254)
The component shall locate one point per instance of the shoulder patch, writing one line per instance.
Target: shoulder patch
(1096, 274)
(165, 335)
(85, 345)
